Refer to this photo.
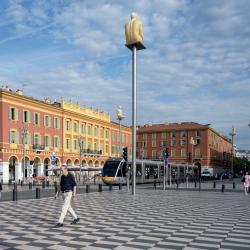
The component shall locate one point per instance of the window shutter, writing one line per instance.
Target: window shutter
(23, 116)
(44, 121)
(10, 136)
(9, 113)
(28, 116)
(17, 137)
(16, 114)
(34, 118)
(50, 144)
(58, 120)
(49, 121)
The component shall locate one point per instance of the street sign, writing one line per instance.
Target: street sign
(53, 158)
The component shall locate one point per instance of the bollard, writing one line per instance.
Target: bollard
(9, 182)
(43, 184)
(47, 183)
(15, 186)
(155, 184)
(100, 188)
(233, 185)
(222, 188)
(249, 190)
(38, 194)
(21, 183)
(14, 194)
(87, 188)
(120, 186)
(30, 185)
(214, 184)
(34, 182)
(195, 184)
(110, 187)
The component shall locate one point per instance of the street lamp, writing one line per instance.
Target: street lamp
(192, 142)
(233, 133)
(120, 117)
(80, 143)
(24, 135)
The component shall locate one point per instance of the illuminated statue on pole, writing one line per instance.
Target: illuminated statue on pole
(133, 30)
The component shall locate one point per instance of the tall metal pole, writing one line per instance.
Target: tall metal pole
(120, 135)
(232, 160)
(133, 119)
(24, 153)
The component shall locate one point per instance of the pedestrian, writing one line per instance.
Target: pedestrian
(68, 189)
(1, 188)
(246, 180)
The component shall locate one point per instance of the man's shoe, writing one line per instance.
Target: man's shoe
(59, 225)
(75, 221)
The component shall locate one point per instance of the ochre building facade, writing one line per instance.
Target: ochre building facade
(76, 135)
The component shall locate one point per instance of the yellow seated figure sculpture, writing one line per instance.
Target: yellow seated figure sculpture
(133, 30)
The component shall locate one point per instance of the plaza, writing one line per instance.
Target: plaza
(153, 219)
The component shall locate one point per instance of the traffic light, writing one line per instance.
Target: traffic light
(125, 154)
(189, 156)
(166, 153)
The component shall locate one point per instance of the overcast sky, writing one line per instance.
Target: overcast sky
(196, 66)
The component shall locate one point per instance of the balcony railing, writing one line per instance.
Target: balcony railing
(92, 152)
(38, 147)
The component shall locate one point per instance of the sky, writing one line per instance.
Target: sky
(196, 66)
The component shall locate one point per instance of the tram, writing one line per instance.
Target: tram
(116, 170)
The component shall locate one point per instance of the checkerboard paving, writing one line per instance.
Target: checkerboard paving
(116, 220)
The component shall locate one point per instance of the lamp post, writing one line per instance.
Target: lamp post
(120, 117)
(192, 152)
(134, 37)
(80, 143)
(24, 136)
(233, 133)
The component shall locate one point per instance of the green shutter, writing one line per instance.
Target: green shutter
(10, 136)
(28, 116)
(23, 116)
(16, 114)
(9, 113)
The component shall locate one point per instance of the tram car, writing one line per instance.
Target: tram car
(116, 170)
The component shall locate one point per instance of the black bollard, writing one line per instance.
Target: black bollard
(233, 185)
(110, 187)
(214, 184)
(154, 184)
(43, 184)
(120, 186)
(100, 188)
(15, 186)
(47, 183)
(87, 188)
(195, 184)
(21, 183)
(30, 185)
(222, 188)
(14, 194)
(177, 185)
(38, 193)
(34, 182)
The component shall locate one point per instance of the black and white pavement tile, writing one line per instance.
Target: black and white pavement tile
(154, 220)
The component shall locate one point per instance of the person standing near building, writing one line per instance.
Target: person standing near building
(246, 182)
(68, 189)
(1, 188)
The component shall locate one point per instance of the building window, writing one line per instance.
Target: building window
(68, 125)
(183, 142)
(113, 149)
(47, 121)
(183, 152)
(183, 133)
(113, 135)
(154, 143)
(75, 127)
(107, 134)
(144, 154)
(101, 132)
(197, 141)
(37, 139)
(145, 136)
(13, 114)
(90, 130)
(172, 152)
(47, 141)
(26, 116)
(95, 131)
(163, 135)
(154, 154)
(68, 143)
(197, 133)
(56, 122)
(153, 135)
(95, 146)
(173, 143)
(172, 134)
(144, 144)
(56, 142)
(14, 137)
(107, 149)
(36, 118)
(197, 153)
(75, 144)
(163, 144)
(83, 128)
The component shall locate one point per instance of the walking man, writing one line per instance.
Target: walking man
(68, 189)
